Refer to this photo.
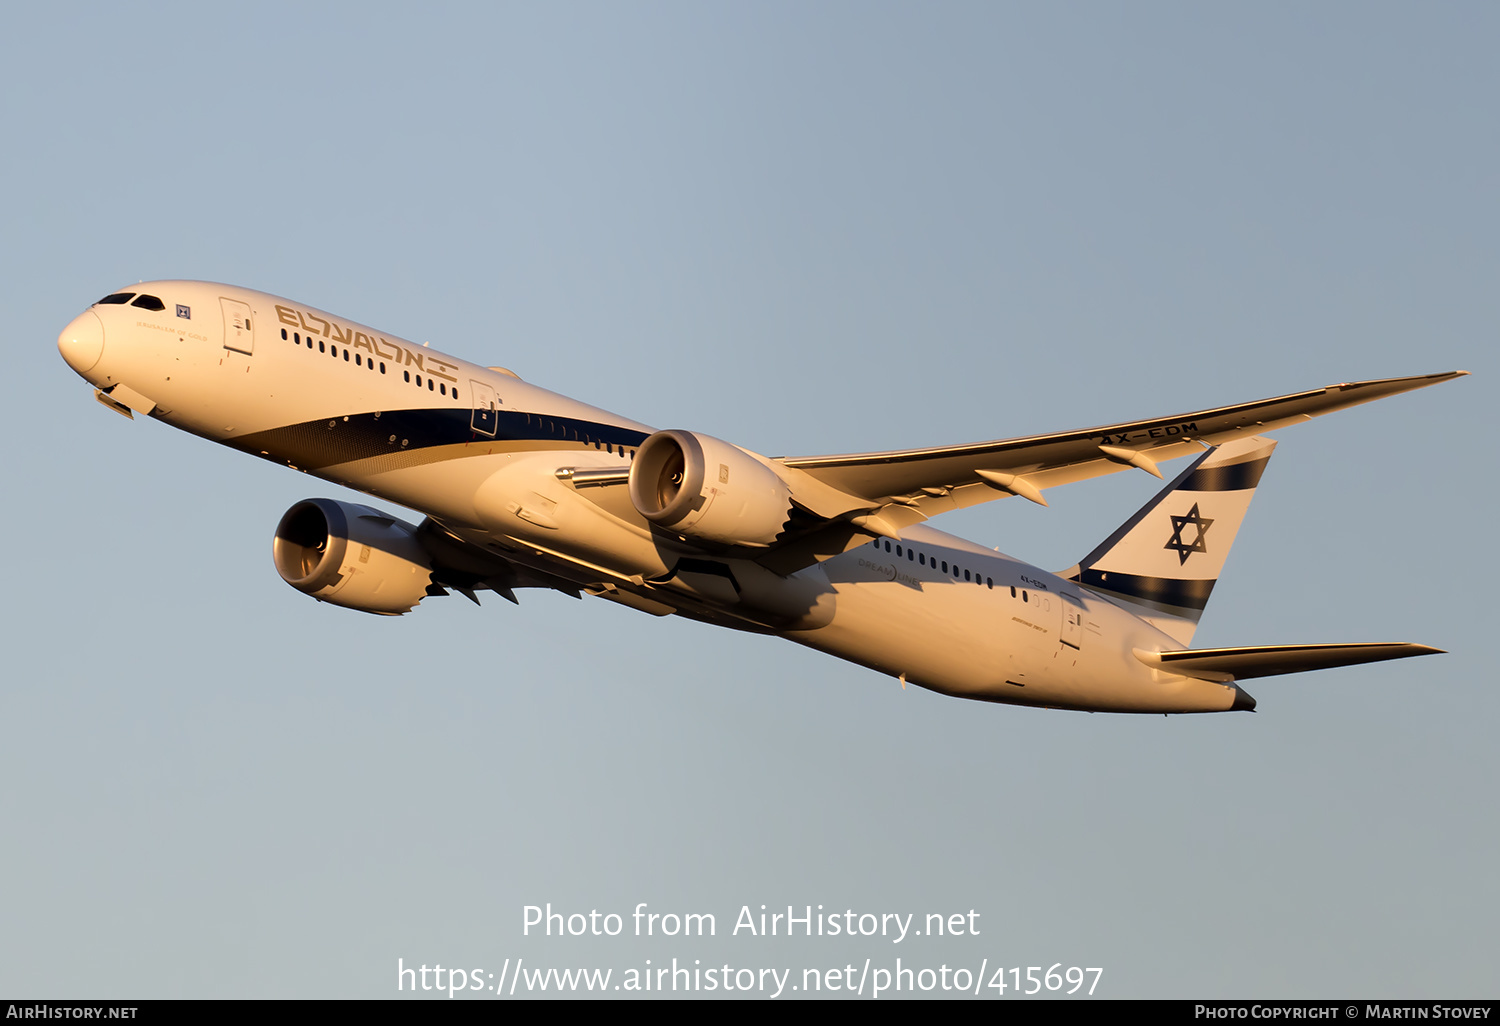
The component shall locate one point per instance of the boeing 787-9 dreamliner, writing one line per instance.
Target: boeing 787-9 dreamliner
(520, 487)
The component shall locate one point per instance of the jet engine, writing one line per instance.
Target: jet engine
(707, 489)
(352, 556)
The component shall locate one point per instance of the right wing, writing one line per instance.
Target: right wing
(849, 498)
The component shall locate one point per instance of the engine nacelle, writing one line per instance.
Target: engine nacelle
(352, 556)
(704, 488)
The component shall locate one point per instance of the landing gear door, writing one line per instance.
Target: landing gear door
(239, 333)
(486, 409)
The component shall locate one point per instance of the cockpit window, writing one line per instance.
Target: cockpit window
(146, 302)
(116, 298)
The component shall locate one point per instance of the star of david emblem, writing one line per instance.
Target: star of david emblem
(1185, 549)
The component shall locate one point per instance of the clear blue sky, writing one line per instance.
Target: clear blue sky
(805, 228)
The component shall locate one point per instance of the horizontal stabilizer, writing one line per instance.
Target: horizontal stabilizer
(1226, 664)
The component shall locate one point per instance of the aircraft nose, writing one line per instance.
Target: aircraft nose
(82, 341)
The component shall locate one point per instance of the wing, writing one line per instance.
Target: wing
(854, 496)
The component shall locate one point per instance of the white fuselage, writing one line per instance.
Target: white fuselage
(478, 450)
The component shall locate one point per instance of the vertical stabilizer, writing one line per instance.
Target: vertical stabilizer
(1165, 560)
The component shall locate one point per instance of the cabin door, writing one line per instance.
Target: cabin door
(1072, 620)
(486, 409)
(239, 333)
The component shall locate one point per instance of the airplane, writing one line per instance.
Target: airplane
(521, 487)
